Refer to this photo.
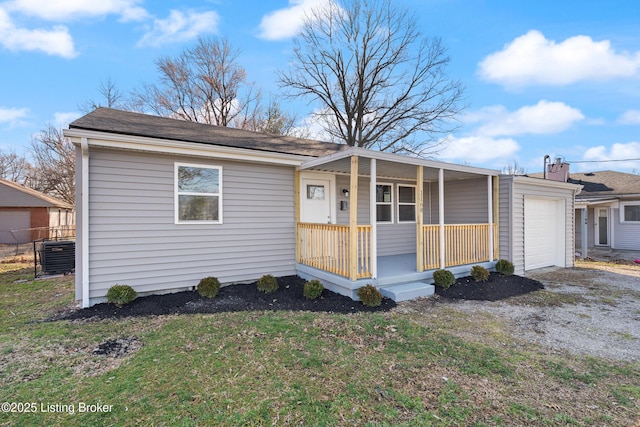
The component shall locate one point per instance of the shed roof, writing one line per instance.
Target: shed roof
(137, 124)
(16, 195)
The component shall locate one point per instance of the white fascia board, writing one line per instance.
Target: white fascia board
(547, 183)
(157, 145)
(397, 158)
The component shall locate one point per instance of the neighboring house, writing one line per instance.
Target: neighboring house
(163, 203)
(607, 210)
(27, 215)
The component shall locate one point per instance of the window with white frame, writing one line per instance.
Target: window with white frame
(384, 202)
(198, 193)
(406, 203)
(630, 212)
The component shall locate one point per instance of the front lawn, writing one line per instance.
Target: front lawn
(289, 368)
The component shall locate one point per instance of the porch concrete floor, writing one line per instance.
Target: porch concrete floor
(396, 265)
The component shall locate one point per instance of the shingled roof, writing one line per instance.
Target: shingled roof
(606, 183)
(137, 124)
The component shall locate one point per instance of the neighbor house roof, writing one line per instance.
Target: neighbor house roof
(137, 124)
(606, 184)
(33, 198)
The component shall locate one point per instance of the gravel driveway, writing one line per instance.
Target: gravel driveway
(593, 309)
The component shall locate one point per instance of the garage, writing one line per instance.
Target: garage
(536, 222)
(544, 236)
(14, 220)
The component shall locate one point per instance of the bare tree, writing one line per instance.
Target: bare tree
(203, 84)
(13, 167)
(53, 169)
(514, 168)
(111, 97)
(275, 120)
(379, 82)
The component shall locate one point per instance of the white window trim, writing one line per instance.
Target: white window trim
(176, 193)
(622, 205)
(414, 204)
(391, 203)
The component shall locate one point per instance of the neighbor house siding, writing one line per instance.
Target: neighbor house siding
(134, 239)
(626, 236)
(10, 197)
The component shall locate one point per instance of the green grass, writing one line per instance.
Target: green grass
(285, 368)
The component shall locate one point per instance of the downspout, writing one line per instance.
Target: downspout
(84, 241)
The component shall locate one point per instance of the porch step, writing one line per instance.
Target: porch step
(407, 291)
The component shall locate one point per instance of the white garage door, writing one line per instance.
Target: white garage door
(544, 234)
(14, 220)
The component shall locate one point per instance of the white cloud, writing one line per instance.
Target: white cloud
(61, 120)
(631, 117)
(478, 149)
(179, 27)
(13, 116)
(545, 117)
(285, 23)
(64, 10)
(532, 59)
(617, 151)
(56, 41)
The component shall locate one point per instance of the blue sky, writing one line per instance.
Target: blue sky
(543, 77)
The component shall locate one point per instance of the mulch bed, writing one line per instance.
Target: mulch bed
(497, 287)
(246, 297)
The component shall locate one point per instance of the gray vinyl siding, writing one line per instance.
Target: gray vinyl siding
(505, 218)
(466, 201)
(342, 216)
(625, 235)
(135, 241)
(512, 196)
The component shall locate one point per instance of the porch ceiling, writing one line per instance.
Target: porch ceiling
(393, 166)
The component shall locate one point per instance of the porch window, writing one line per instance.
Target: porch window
(198, 194)
(630, 212)
(406, 203)
(384, 203)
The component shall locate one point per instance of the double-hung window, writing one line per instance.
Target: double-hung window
(384, 202)
(198, 194)
(630, 212)
(406, 203)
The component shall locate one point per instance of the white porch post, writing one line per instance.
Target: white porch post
(441, 215)
(584, 236)
(373, 218)
(419, 219)
(490, 215)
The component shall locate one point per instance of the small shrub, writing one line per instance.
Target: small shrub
(121, 294)
(479, 273)
(443, 278)
(312, 289)
(504, 267)
(267, 284)
(209, 287)
(370, 295)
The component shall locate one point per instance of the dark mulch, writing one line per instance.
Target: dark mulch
(289, 297)
(230, 298)
(496, 288)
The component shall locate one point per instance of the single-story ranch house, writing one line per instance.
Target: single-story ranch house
(27, 215)
(608, 210)
(163, 203)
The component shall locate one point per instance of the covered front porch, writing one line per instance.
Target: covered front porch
(392, 220)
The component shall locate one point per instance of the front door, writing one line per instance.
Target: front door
(602, 226)
(316, 196)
